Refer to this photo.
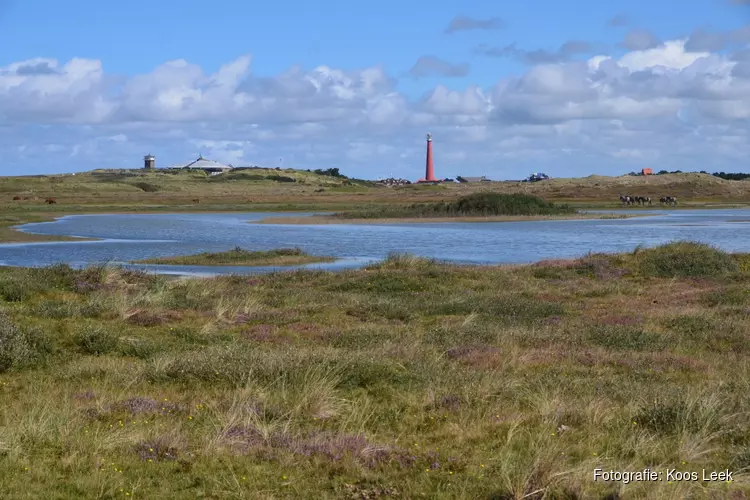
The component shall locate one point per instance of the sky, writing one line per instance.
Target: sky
(505, 88)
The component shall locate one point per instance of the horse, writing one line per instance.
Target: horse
(50, 201)
(626, 199)
(642, 200)
(668, 200)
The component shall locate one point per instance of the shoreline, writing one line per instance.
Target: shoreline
(322, 219)
(281, 262)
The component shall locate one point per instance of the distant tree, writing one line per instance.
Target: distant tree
(731, 176)
(330, 172)
(661, 172)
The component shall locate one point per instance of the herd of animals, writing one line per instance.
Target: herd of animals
(645, 200)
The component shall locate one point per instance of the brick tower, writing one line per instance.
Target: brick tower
(429, 174)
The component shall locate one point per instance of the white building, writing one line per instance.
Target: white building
(209, 166)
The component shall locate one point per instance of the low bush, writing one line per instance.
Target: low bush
(21, 347)
(682, 259)
(280, 178)
(147, 187)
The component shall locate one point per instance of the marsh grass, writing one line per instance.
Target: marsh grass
(477, 204)
(408, 378)
(240, 257)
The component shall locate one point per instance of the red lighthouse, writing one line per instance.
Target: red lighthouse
(429, 175)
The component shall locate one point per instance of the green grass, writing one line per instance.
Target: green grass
(411, 378)
(241, 257)
(477, 204)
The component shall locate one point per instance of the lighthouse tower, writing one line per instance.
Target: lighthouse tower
(429, 175)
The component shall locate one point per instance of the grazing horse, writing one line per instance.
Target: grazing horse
(668, 200)
(626, 199)
(642, 200)
(50, 201)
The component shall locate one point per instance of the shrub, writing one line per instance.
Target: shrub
(280, 178)
(21, 348)
(138, 348)
(685, 259)
(396, 260)
(148, 188)
(96, 340)
(14, 290)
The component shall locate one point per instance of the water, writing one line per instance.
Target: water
(128, 237)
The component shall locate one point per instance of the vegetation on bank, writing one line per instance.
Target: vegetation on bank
(240, 257)
(258, 189)
(473, 205)
(9, 233)
(408, 378)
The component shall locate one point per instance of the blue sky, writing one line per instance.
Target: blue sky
(393, 70)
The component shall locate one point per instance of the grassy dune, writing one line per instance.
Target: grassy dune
(22, 199)
(410, 378)
(241, 257)
(270, 189)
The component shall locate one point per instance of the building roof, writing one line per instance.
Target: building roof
(206, 164)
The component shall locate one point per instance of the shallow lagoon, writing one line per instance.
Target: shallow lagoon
(128, 237)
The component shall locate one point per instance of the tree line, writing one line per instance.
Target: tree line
(730, 176)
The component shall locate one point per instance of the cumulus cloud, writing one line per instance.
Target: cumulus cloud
(427, 66)
(538, 56)
(463, 23)
(663, 105)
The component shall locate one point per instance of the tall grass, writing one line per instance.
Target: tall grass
(412, 378)
(478, 204)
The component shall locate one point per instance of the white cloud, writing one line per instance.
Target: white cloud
(663, 105)
(671, 55)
